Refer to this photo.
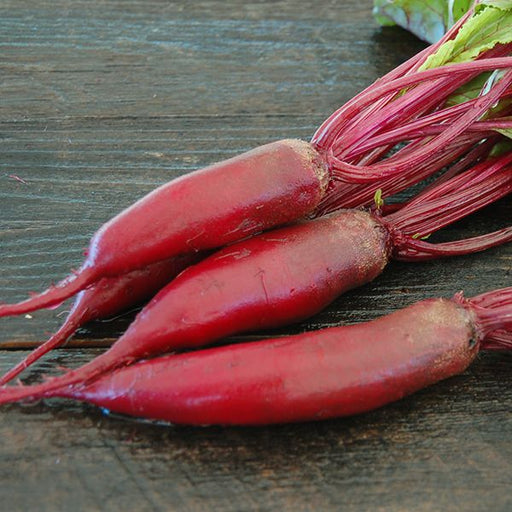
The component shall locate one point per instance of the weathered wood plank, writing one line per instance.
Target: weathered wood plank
(445, 448)
(188, 58)
(102, 101)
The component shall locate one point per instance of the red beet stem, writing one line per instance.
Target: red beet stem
(496, 318)
(326, 133)
(423, 219)
(478, 155)
(493, 299)
(428, 127)
(489, 303)
(411, 249)
(446, 203)
(354, 195)
(395, 165)
(498, 340)
(422, 99)
(332, 128)
(494, 312)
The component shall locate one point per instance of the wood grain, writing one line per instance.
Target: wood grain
(103, 100)
(445, 448)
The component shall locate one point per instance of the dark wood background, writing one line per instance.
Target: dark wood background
(100, 101)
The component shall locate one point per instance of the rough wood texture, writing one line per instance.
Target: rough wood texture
(102, 101)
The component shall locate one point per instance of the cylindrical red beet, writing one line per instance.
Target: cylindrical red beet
(334, 372)
(274, 279)
(272, 185)
(316, 375)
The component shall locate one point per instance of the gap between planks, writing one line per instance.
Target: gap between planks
(80, 343)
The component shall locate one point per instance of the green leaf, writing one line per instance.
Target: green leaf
(427, 19)
(505, 5)
(490, 25)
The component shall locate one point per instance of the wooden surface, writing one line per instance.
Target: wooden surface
(102, 101)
